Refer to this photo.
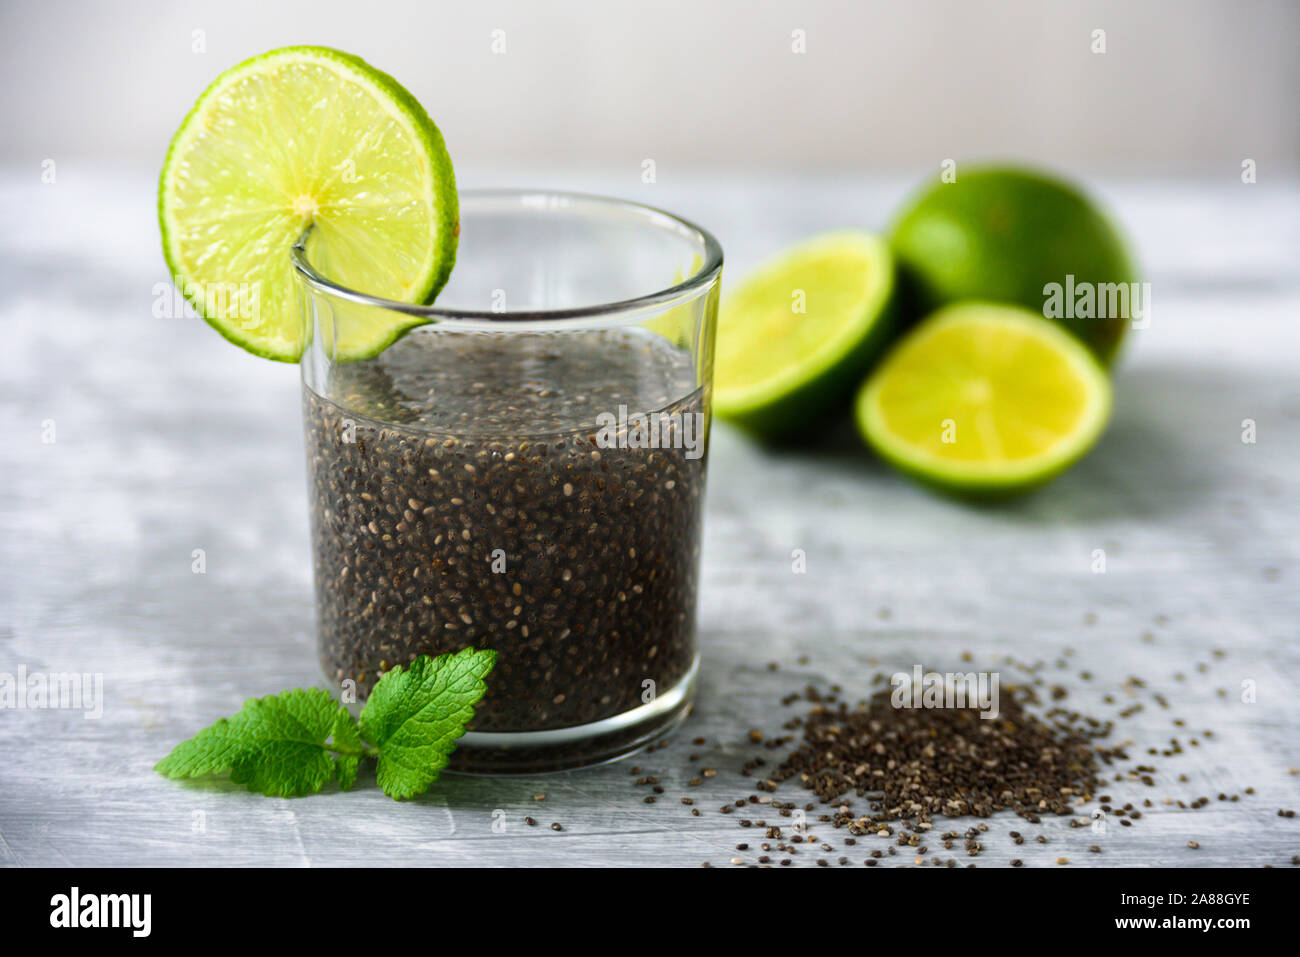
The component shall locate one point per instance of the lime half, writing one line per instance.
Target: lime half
(298, 137)
(801, 331)
(985, 399)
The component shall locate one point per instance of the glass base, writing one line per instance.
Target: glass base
(535, 752)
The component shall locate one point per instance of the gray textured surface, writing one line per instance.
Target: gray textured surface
(169, 440)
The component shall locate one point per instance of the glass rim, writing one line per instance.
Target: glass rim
(704, 277)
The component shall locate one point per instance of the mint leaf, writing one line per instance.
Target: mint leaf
(414, 717)
(346, 769)
(279, 745)
(346, 738)
(211, 751)
(292, 743)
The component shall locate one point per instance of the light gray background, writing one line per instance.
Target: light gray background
(1184, 85)
(169, 439)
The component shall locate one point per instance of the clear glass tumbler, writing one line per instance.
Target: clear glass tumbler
(523, 469)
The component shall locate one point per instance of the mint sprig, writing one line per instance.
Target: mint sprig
(290, 744)
(414, 717)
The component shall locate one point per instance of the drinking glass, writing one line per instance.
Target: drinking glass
(522, 469)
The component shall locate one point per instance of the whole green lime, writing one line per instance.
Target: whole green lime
(1018, 236)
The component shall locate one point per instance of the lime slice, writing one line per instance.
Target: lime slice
(801, 331)
(296, 137)
(985, 399)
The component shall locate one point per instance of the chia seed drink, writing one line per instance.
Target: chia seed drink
(519, 466)
(501, 490)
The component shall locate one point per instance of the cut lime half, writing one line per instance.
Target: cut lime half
(985, 399)
(298, 137)
(800, 332)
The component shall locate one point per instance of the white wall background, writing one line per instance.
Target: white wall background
(1190, 87)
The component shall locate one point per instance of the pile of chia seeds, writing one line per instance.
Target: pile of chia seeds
(462, 496)
(905, 778)
(922, 762)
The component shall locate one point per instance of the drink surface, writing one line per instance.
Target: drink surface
(509, 385)
(463, 493)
